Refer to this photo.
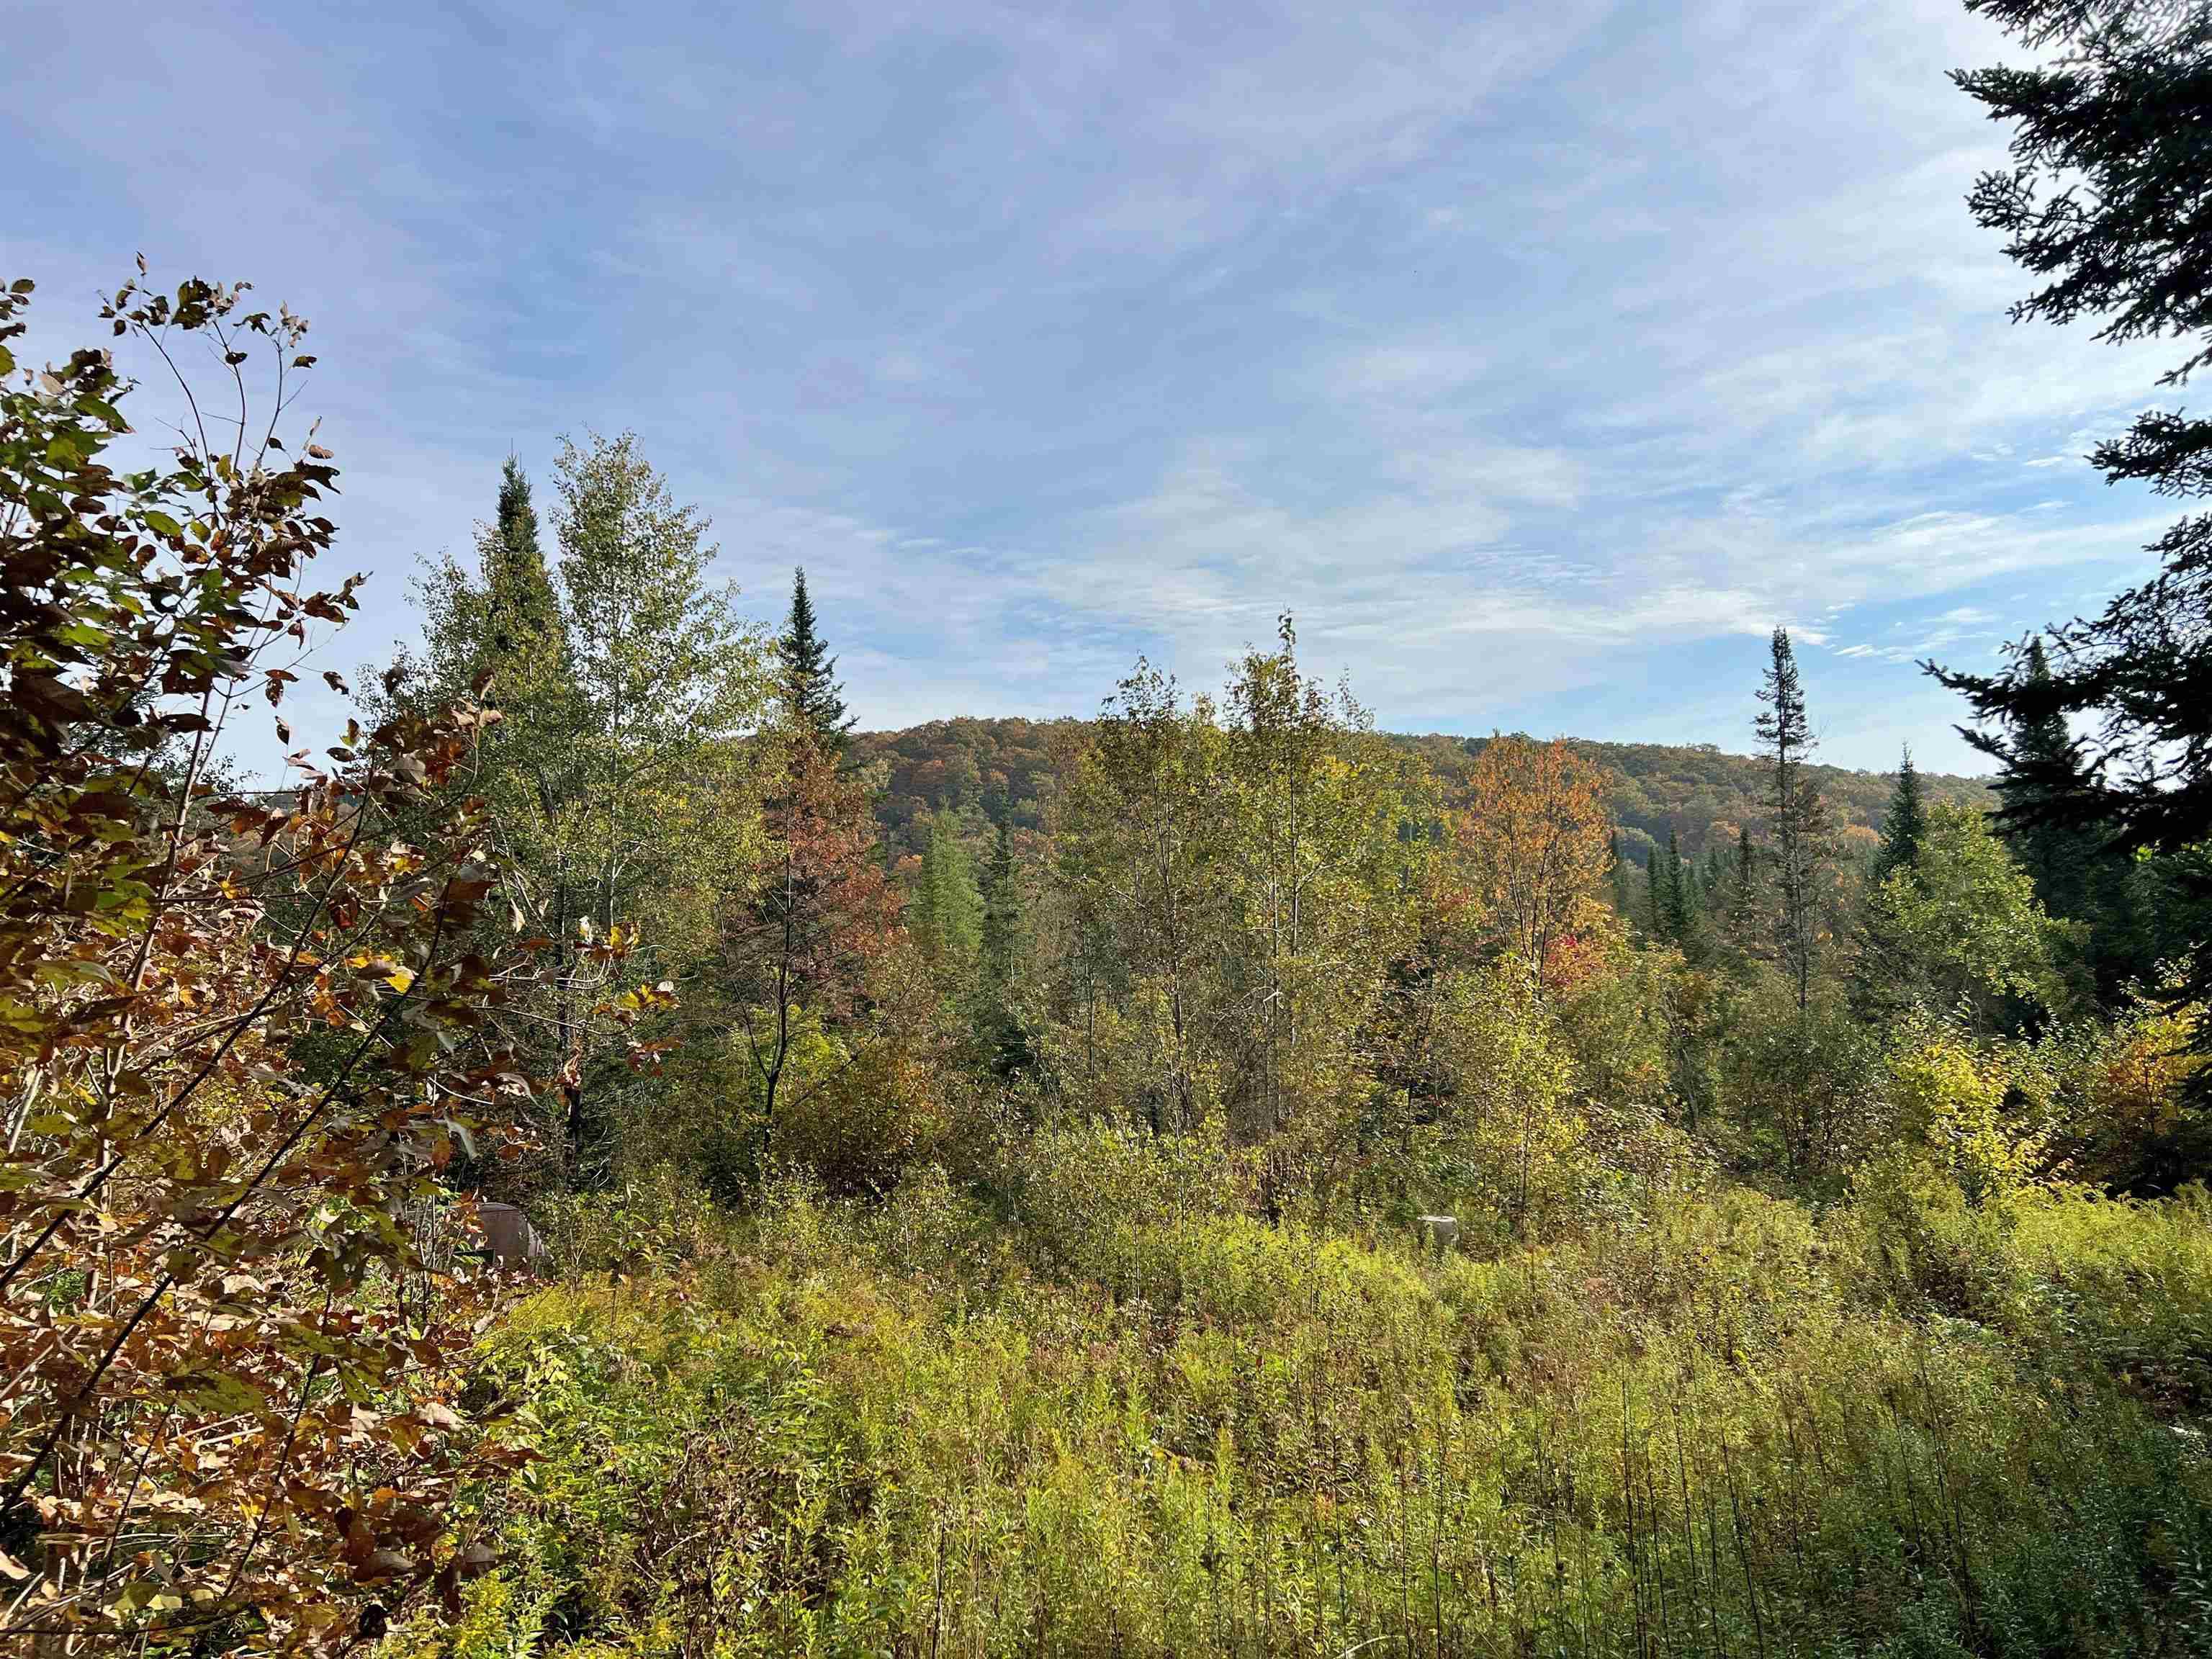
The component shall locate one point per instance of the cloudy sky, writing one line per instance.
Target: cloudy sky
(1539, 357)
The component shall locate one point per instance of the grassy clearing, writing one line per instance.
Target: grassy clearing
(1718, 1425)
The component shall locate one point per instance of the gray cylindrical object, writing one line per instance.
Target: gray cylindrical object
(509, 1235)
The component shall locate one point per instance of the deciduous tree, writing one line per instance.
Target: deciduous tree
(237, 1041)
(1310, 805)
(624, 792)
(1138, 861)
(802, 943)
(1533, 836)
(1959, 928)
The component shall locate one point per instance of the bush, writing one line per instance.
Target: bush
(2137, 1129)
(1953, 1099)
(656, 1219)
(1802, 1087)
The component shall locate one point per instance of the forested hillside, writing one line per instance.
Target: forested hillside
(988, 770)
(604, 1159)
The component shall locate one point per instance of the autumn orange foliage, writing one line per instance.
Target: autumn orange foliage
(1532, 838)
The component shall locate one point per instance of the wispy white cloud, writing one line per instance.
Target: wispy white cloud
(1540, 359)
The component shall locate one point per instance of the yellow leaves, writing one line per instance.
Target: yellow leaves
(1953, 1097)
(399, 977)
(644, 999)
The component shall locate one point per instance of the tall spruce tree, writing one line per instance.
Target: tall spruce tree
(1000, 1017)
(2105, 208)
(948, 910)
(521, 611)
(2059, 851)
(1678, 897)
(1002, 911)
(1904, 824)
(1797, 822)
(813, 699)
(1874, 973)
(1616, 876)
(2138, 910)
(1741, 918)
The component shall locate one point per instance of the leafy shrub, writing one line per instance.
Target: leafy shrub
(239, 1039)
(2137, 1129)
(656, 1219)
(1953, 1100)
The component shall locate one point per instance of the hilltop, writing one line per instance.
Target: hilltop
(1004, 768)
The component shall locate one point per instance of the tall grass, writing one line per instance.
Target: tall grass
(1150, 1425)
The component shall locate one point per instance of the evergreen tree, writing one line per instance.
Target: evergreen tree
(813, 701)
(1904, 824)
(1655, 893)
(1002, 911)
(1678, 898)
(948, 909)
(1874, 973)
(1738, 916)
(1617, 877)
(2056, 853)
(1002, 1027)
(2137, 910)
(2104, 207)
(521, 610)
(1798, 822)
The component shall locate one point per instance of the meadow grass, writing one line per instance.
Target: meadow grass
(1718, 1425)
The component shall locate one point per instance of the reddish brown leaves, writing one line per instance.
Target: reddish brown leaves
(237, 1039)
(823, 914)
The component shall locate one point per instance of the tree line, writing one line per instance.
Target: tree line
(590, 900)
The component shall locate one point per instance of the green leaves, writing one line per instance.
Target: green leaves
(232, 1037)
(1961, 923)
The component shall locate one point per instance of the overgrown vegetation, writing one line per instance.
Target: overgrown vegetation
(1212, 1178)
(1130, 1418)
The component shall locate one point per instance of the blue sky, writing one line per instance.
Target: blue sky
(1539, 357)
